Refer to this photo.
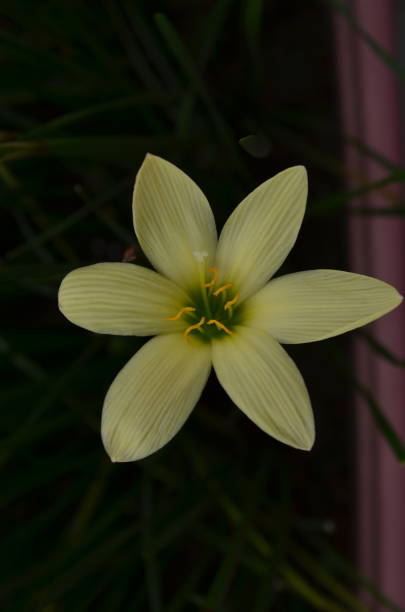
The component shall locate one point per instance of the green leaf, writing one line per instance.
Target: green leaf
(181, 54)
(114, 148)
(381, 349)
(60, 123)
(331, 203)
(256, 145)
(69, 221)
(383, 423)
(386, 57)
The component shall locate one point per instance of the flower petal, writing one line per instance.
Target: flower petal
(262, 230)
(153, 395)
(264, 382)
(121, 298)
(173, 221)
(318, 304)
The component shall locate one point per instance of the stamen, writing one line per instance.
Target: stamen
(214, 280)
(220, 325)
(178, 315)
(195, 326)
(230, 303)
(223, 288)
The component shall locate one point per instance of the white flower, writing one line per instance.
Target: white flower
(211, 303)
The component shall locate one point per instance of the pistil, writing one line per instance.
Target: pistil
(204, 293)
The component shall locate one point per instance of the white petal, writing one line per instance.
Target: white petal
(153, 395)
(318, 304)
(264, 382)
(173, 221)
(121, 298)
(262, 230)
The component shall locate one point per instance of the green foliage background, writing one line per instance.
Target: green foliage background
(224, 517)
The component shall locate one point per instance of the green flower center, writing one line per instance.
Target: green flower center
(214, 310)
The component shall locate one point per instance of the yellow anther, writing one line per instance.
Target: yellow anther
(223, 288)
(178, 315)
(220, 325)
(230, 303)
(195, 326)
(214, 280)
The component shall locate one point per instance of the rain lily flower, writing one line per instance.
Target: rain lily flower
(211, 302)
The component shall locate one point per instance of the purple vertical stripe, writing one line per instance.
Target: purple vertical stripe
(370, 112)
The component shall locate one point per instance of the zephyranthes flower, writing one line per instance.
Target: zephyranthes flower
(211, 303)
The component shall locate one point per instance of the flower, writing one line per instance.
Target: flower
(211, 303)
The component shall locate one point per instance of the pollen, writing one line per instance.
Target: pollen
(230, 303)
(195, 326)
(219, 325)
(181, 311)
(223, 288)
(215, 277)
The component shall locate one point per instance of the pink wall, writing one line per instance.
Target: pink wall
(370, 108)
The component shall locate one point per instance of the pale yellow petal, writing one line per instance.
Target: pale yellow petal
(318, 304)
(261, 231)
(122, 299)
(153, 395)
(264, 382)
(173, 221)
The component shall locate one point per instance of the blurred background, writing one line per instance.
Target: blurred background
(224, 518)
